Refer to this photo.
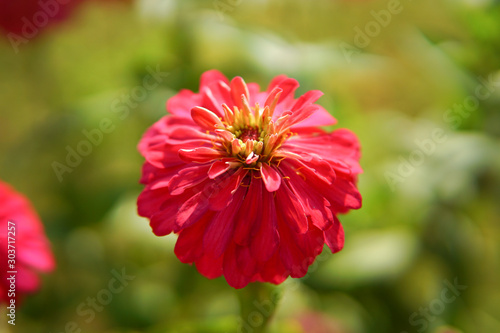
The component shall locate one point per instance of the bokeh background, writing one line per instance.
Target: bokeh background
(418, 81)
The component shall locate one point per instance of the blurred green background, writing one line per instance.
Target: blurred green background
(409, 77)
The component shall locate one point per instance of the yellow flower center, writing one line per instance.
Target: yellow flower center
(252, 137)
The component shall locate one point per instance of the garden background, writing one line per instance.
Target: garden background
(417, 81)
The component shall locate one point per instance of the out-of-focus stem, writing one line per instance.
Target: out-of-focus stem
(258, 302)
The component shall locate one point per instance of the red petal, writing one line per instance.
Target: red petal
(214, 91)
(27, 280)
(276, 81)
(273, 270)
(245, 262)
(220, 230)
(218, 168)
(238, 88)
(163, 222)
(298, 251)
(298, 116)
(189, 245)
(288, 86)
(181, 104)
(206, 119)
(231, 272)
(290, 253)
(308, 98)
(192, 210)
(149, 201)
(291, 209)
(209, 266)
(315, 166)
(316, 206)
(334, 237)
(267, 239)
(226, 135)
(222, 190)
(321, 117)
(211, 77)
(250, 214)
(344, 195)
(210, 102)
(187, 178)
(180, 134)
(253, 91)
(200, 155)
(272, 99)
(341, 145)
(271, 178)
(222, 93)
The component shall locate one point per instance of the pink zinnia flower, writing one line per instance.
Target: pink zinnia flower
(246, 179)
(26, 18)
(22, 20)
(32, 249)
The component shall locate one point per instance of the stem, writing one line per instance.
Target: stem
(258, 302)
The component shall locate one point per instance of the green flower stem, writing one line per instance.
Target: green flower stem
(258, 302)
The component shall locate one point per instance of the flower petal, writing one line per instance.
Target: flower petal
(286, 84)
(223, 188)
(344, 195)
(187, 178)
(298, 116)
(272, 99)
(308, 98)
(316, 206)
(212, 77)
(206, 119)
(273, 270)
(163, 222)
(209, 266)
(271, 177)
(233, 275)
(290, 253)
(239, 88)
(291, 209)
(149, 201)
(27, 281)
(334, 237)
(320, 117)
(220, 229)
(340, 145)
(181, 104)
(250, 214)
(189, 245)
(200, 155)
(218, 168)
(245, 262)
(298, 251)
(210, 102)
(192, 210)
(266, 241)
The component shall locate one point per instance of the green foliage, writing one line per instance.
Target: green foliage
(430, 201)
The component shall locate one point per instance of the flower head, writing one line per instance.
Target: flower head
(247, 180)
(22, 229)
(23, 20)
